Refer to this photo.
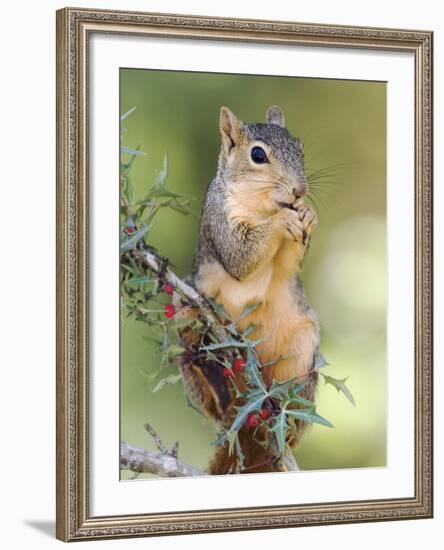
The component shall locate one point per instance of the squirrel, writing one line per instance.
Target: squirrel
(254, 233)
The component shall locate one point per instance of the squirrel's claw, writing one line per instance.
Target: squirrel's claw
(308, 218)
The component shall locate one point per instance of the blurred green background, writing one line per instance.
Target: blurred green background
(343, 127)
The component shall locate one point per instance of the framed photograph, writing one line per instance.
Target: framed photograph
(244, 274)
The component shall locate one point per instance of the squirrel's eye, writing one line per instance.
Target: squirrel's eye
(258, 155)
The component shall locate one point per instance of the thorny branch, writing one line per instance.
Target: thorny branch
(153, 263)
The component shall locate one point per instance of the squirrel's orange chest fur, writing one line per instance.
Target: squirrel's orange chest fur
(286, 331)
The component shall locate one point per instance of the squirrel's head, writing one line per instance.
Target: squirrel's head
(262, 163)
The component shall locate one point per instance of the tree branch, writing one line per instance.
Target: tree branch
(151, 261)
(164, 463)
(141, 461)
(289, 461)
(148, 462)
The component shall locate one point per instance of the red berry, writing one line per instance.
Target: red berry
(170, 311)
(265, 414)
(239, 364)
(169, 289)
(253, 420)
(228, 372)
(130, 229)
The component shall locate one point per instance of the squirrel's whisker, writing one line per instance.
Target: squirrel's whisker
(333, 173)
(328, 184)
(330, 167)
(322, 195)
(315, 202)
(326, 175)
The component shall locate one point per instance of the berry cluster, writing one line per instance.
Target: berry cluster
(169, 310)
(237, 368)
(254, 418)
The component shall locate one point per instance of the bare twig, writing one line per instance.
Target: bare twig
(157, 439)
(164, 463)
(175, 449)
(147, 462)
(127, 206)
(186, 290)
(289, 461)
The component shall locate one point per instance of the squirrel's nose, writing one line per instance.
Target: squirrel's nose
(300, 189)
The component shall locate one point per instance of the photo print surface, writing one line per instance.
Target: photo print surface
(252, 273)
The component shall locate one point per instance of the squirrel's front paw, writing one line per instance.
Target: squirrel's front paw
(308, 218)
(291, 224)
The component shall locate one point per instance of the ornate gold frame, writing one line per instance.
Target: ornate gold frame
(73, 28)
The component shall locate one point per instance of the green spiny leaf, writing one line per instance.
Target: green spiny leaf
(275, 361)
(280, 427)
(297, 399)
(181, 208)
(319, 361)
(231, 443)
(219, 309)
(248, 310)
(256, 398)
(232, 329)
(182, 323)
(167, 381)
(339, 384)
(131, 269)
(249, 330)
(221, 438)
(162, 192)
(308, 415)
(127, 114)
(129, 189)
(160, 180)
(191, 404)
(282, 389)
(255, 378)
(130, 242)
(239, 453)
(229, 343)
(174, 351)
(139, 281)
(153, 342)
(127, 166)
(129, 151)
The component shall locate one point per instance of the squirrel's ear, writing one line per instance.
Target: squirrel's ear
(229, 128)
(275, 115)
